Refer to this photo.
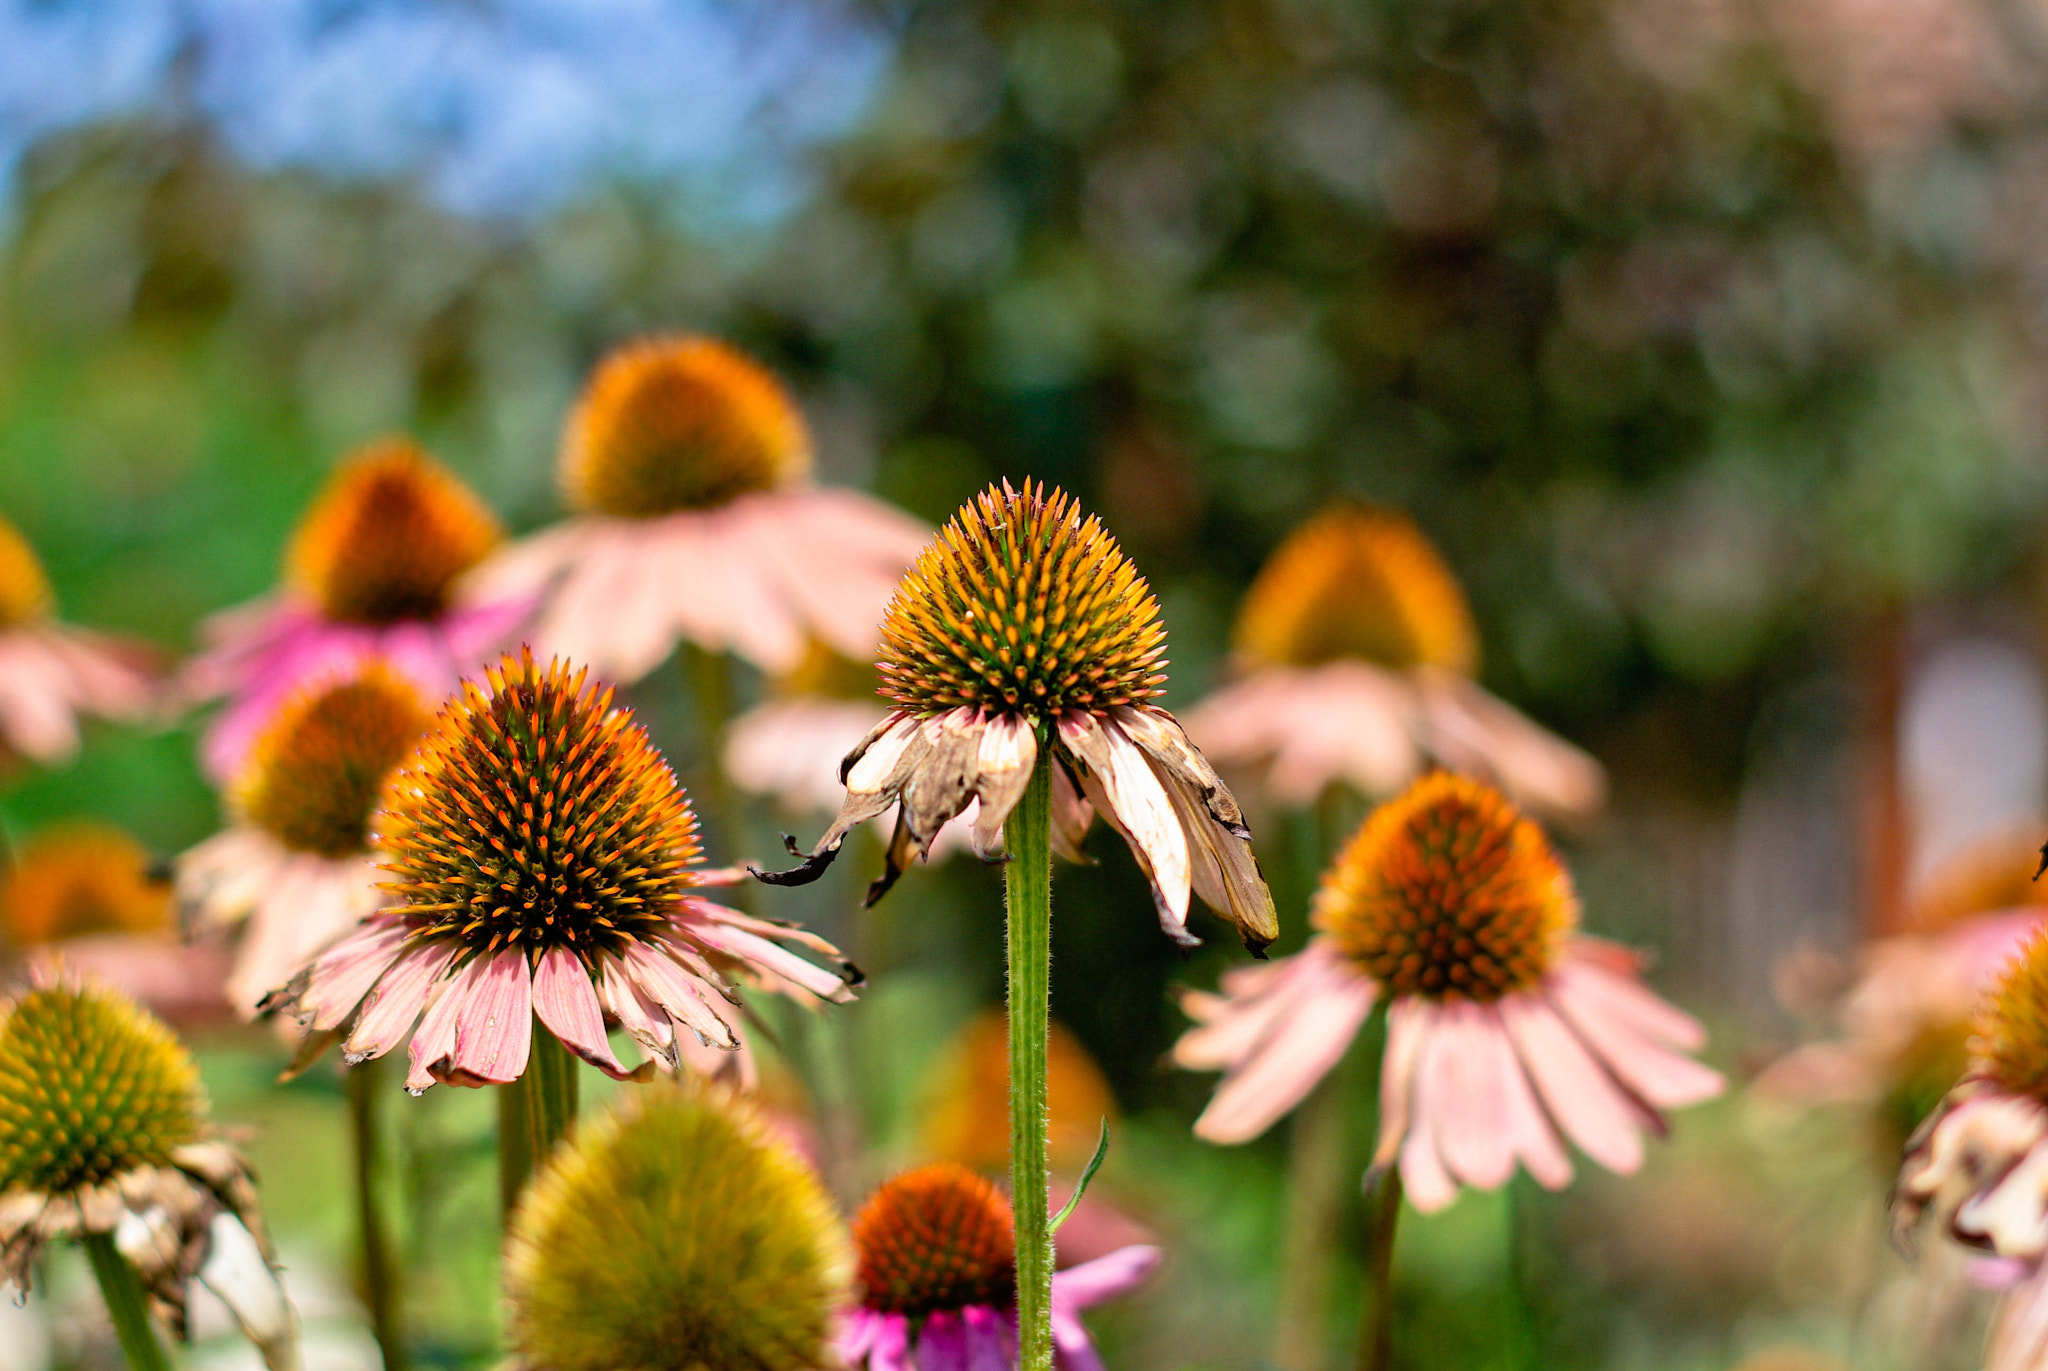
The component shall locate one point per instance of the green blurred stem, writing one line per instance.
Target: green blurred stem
(1028, 875)
(708, 677)
(1376, 1327)
(1316, 1181)
(127, 1304)
(366, 1080)
(541, 1115)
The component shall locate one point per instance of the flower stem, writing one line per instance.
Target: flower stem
(127, 1304)
(1028, 837)
(1316, 1181)
(380, 1267)
(534, 1113)
(1376, 1328)
(708, 677)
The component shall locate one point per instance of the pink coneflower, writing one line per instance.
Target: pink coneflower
(371, 574)
(699, 523)
(1357, 651)
(1505, 1028)
(543, 863)
(938, 1281)
(1979, 1163)
(52, 673)
(293, 870)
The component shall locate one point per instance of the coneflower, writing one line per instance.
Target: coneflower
(938, 1281)
(543, 865)
(374, 572)
(51, 674)
(697, 522)
(676, 1233)
(105, 1140)
(1979, 1163)
(1355, 650)
(85, 895)
(1505, 1026)
(292, 871)
(1023, 653)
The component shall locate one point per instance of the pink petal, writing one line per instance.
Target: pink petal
(892, 1346)
(775, 958)
(1534, 1140)
(1322, 1018)
(1469, 1093)
(991, 1339)
(433, 1042)
(1662, 1077)
(942, 1343)
(1625, 999)
(647, 1023)
(567, 1003)
(1429, 1185)
(1128, 793)
(397, 1001)
(1585, 1103)
(494, 1026)
(1406, 1020)
(676, 990)
(1105, 1278)
(345, 973)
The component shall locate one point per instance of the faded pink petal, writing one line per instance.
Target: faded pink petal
(1124, 789)
(566, 1002)
(1429, 1185)
(771, 957)
(395, 1005)
(666, 982)
(1470, 1096)
(1534, 1140)
(345, 973)
(432, 1049)
(1583, 1100)
(494, 1023)
(1105, 1278)
(1326, 1005)
(647, 1022)
(1662, 1077)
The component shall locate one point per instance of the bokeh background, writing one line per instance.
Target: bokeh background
(1708, 338)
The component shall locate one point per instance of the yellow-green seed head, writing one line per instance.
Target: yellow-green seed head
(2011, 1045)
(1019, 605)
(676, 1234)
(91, 1086)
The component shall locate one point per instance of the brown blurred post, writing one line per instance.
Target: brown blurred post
(1881, 809)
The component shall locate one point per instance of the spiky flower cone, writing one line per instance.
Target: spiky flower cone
(103, 1127)
(674, 1234)
(388, 536)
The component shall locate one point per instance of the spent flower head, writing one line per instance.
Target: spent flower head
(104, 1128)
(677, 423)
(676, 1232)
(1021, 632)
(543, 861)
(387, 537)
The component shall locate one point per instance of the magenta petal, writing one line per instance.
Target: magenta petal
(991, 1339)
(1105, 1278)
(891, 1350)
(942, 1343)
(494, 1024)
(567, 1003)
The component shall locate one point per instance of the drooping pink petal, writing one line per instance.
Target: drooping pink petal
(1626, 1000)
(430, 1055)
(891, 1351)
(494, 1026)
(1230, 1024)
(346, 971)
(1009, 751)
(1469, 1094)
(942, 1343)
(1122, 785)
(1406, 1020)
(1311, 1037)
(1662, 1077)
(1429, 1185)
(774, 958)
(1105, 1278)
(647, 1022)
(567, 1003)
(391, 1009)
(1582, 1100)
(1531, 1134)
(991, 1339)
(665, 981)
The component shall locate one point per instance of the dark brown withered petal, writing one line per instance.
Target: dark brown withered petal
(1072, 816)
(945, 780)
(874, 774)
(1226, 874)
(1008, 754)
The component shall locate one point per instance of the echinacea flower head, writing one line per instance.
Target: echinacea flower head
(1356, 649)
(676, 423)
(938, 1280)
(388, 537)
(373, 573)
(293, 871)
(689, 467)
(1505, 1026)
(78, 879)
(1357, 582)
(1023, 626)
(541, 860)
(51, 674)
(104, 1129)
(676, 1233)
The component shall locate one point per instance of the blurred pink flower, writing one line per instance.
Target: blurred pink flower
(52, 673)
(700, 524)
(1358, 647)
(938, 1282)
(371, 576)
(1505, 1028)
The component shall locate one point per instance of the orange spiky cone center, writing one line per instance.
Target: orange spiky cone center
(1448, 891)
(1019, 605)
(536, 815)
(2011, 1043)
(314, 775)
(24, 589)
(675, 423)
(1357, 582)
(937, 1238)
(387, 538)
(79, 879)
